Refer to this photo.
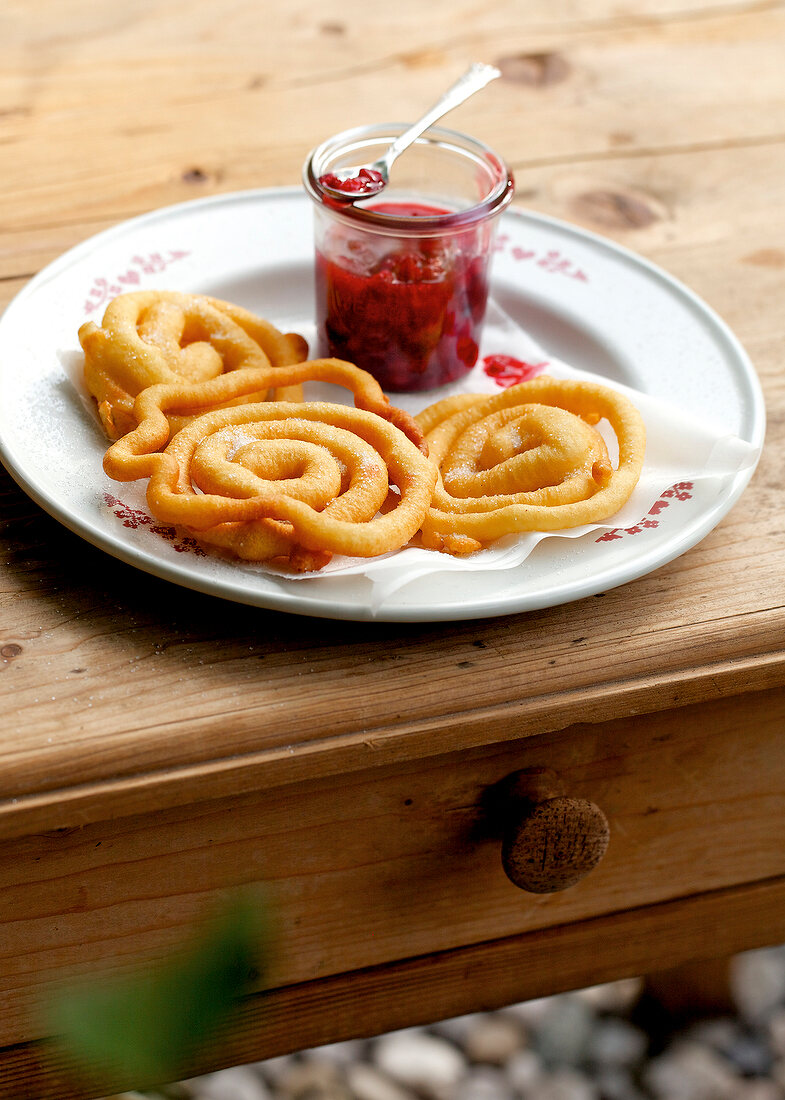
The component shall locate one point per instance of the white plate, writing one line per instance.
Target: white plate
(584, 299)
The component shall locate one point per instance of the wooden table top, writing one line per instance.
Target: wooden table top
(663, 132)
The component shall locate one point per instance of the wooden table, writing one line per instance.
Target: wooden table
(162, 747)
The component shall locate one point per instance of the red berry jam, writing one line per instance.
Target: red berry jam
(407, 309)
(367, 182)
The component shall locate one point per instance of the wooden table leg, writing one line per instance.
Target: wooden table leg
(692, 989)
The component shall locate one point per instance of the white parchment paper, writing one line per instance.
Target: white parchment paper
(680, 449)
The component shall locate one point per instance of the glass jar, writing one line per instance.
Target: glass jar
(402, 277)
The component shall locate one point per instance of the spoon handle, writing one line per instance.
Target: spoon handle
(472, 80)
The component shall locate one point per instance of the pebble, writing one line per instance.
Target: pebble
(426, 1063)
(564, 1032)
(484, 1083)
(368, 1083)
(341, 1054)
(457, 1028)
(313, 1079)
(689, 1071)
(717, 1032)
(273, 1069)
(776, 1031)
(531, 1013)
(778, 1074)
(758, 982)
(525, 1071)
(240, 1083)
(751, 1055)
(758, 1090)
(618, 996)
(494, 1039)
(748, 1050)
(566, 1084)
(616, 1042)
(616, 1083)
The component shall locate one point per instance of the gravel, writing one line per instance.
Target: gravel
(594, 1044)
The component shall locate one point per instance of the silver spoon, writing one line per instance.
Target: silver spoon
(363, 180)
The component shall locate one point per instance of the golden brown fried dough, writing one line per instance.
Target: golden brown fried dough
(154, 336)
(280, 480)
(527, 459)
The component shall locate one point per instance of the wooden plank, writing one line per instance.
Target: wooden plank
(108, 797)
(82, 654)
(257, 118)
(383, 864)
(419, 990)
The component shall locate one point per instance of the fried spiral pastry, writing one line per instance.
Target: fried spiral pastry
(277, 480)
(527, 459)
(153, 336)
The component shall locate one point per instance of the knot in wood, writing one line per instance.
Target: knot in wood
(616, 210)
(535, 69)
(195, 175)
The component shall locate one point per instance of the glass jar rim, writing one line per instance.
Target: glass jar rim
(498, 197)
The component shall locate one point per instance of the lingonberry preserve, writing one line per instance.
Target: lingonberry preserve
(402, 281)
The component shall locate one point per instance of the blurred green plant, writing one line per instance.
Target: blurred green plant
(146, 1028)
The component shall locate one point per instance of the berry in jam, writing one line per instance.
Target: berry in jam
(367, 182)
(407, 309)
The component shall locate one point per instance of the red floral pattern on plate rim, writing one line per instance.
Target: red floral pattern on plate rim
(104, 289)
(137, 519)
(682, 490)
(551, 261)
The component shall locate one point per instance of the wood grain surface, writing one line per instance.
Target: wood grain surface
(363, 869)
(643, 125)
(127, 700)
